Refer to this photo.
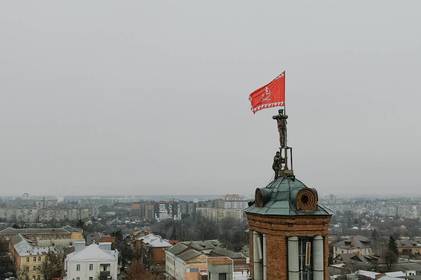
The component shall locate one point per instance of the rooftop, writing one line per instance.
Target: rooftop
(213, 248)
(219, 260)
(189, 254)
(178, 248)
(155, 241)
(93, 253)
(279, 198)
(355, 241)
(24, 248)
(38, 231)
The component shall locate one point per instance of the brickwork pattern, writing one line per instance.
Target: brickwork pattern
(277, 230)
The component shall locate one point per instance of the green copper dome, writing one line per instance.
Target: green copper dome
(287, 196)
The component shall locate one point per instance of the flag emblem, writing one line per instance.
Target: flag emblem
(270, 95)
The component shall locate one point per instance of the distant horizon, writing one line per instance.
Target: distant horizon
(250, 196)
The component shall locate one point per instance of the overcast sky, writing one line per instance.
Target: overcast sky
(136, 97)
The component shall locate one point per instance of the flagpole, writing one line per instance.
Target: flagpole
(285, 152)
(273, 95)
(285, 113)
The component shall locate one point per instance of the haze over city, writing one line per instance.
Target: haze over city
(137, 98)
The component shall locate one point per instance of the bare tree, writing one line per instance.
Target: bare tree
(53, 266)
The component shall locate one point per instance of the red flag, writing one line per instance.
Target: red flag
(270, 95)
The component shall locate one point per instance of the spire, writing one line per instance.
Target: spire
(282, 162)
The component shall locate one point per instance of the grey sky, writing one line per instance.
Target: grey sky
(136, 97)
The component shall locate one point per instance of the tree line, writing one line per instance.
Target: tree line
(231, 232)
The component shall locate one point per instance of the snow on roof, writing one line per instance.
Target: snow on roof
(338, 265)
(24, 248)
(368, 274)
(389, 278)
(93, 253)
(155, 241)
(395, 274)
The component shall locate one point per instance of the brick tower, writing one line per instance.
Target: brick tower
(288, 228)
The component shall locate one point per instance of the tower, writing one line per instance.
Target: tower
(288, 228)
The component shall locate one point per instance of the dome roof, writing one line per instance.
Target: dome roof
(287, 196)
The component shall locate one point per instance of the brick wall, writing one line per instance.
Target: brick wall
(276, 247)
(277, 230)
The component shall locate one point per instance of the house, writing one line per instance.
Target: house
(408, 247)
(29, 246)
(355, 244)
(190, 260)
(152, 249)
(352, 262)
(96, 261)
(28, 257)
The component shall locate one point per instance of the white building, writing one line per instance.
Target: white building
(218, 214)
(233, 201)
(92, 262)
(231, 206)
